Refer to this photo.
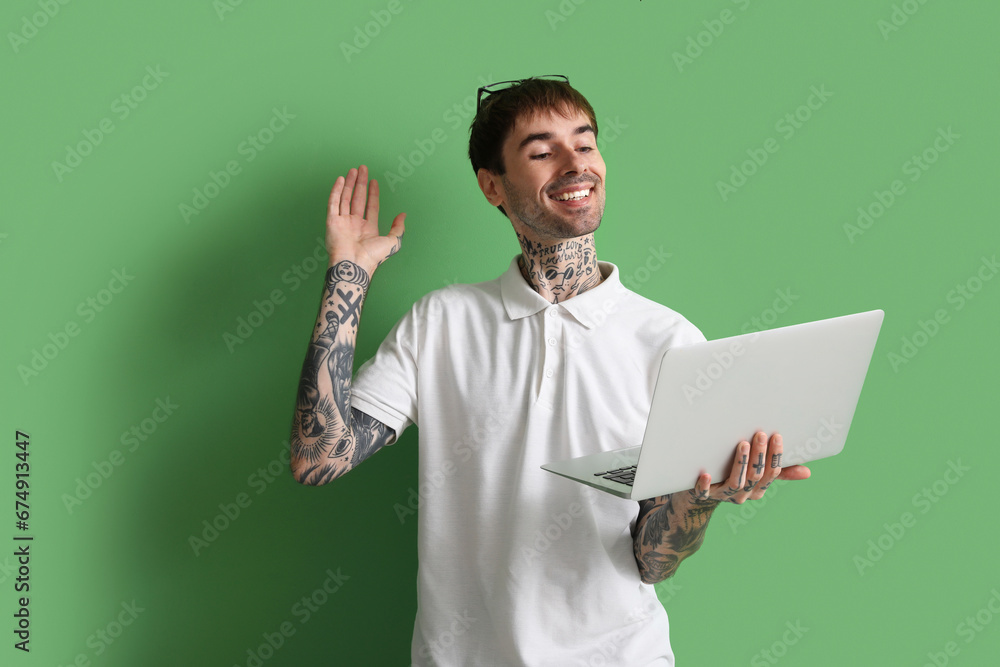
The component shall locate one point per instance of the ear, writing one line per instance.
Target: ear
(490, 184)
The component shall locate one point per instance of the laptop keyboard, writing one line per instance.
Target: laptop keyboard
(624, 475)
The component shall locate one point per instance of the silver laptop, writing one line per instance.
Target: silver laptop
(802, 381)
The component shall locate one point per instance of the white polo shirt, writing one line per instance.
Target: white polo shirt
(518, 566)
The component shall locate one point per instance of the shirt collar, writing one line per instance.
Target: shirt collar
(520, 300)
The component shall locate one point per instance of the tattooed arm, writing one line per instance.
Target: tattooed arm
(670, 528)
(329, 437)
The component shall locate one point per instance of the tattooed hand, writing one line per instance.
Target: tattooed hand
(670, 528)
(754, 468)
(349, 236)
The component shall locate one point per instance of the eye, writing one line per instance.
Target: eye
(541, 156)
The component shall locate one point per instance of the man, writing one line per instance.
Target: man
(553, 359)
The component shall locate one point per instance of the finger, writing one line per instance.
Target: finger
(755, 466)
(360, 191)
(333, 206)
(371, 213)
(396, 230)
(737, 476)
(345, 199)
(795, 472)
(703, 487)
(772, 460)
(398, 226)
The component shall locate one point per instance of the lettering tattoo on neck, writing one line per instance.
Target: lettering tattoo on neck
(563, 269)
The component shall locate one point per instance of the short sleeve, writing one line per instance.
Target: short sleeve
(677, 331)
(385, 386)
(689, 334)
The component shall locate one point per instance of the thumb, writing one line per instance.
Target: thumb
(795, 472)
(397, 228)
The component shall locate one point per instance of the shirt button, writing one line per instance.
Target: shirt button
(552, 341)
(552, 312)
(548, 372)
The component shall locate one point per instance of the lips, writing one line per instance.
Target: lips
(574, 202)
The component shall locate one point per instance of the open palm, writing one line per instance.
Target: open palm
(351, 235)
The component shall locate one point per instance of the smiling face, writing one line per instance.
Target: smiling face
(548, 155)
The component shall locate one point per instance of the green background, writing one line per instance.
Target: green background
(669, 132)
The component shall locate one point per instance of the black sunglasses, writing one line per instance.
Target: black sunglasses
(495, 87)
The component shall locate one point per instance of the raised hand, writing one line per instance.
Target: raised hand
(352, 229)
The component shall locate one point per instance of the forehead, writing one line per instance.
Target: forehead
(547, 124)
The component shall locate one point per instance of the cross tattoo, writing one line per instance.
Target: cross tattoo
(743, 467)
(759, 466)
(351, 311)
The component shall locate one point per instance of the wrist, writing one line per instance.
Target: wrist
(362, 262)
(342, 269)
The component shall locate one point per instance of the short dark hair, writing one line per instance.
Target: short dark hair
(500, 110)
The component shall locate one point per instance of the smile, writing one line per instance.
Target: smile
(574, 197)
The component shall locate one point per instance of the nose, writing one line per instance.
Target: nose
(575, 164)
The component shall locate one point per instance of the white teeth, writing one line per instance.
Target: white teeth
(579, 194)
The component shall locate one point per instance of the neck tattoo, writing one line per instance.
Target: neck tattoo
(561, 270)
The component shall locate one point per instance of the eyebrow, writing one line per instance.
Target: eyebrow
(545, 136)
